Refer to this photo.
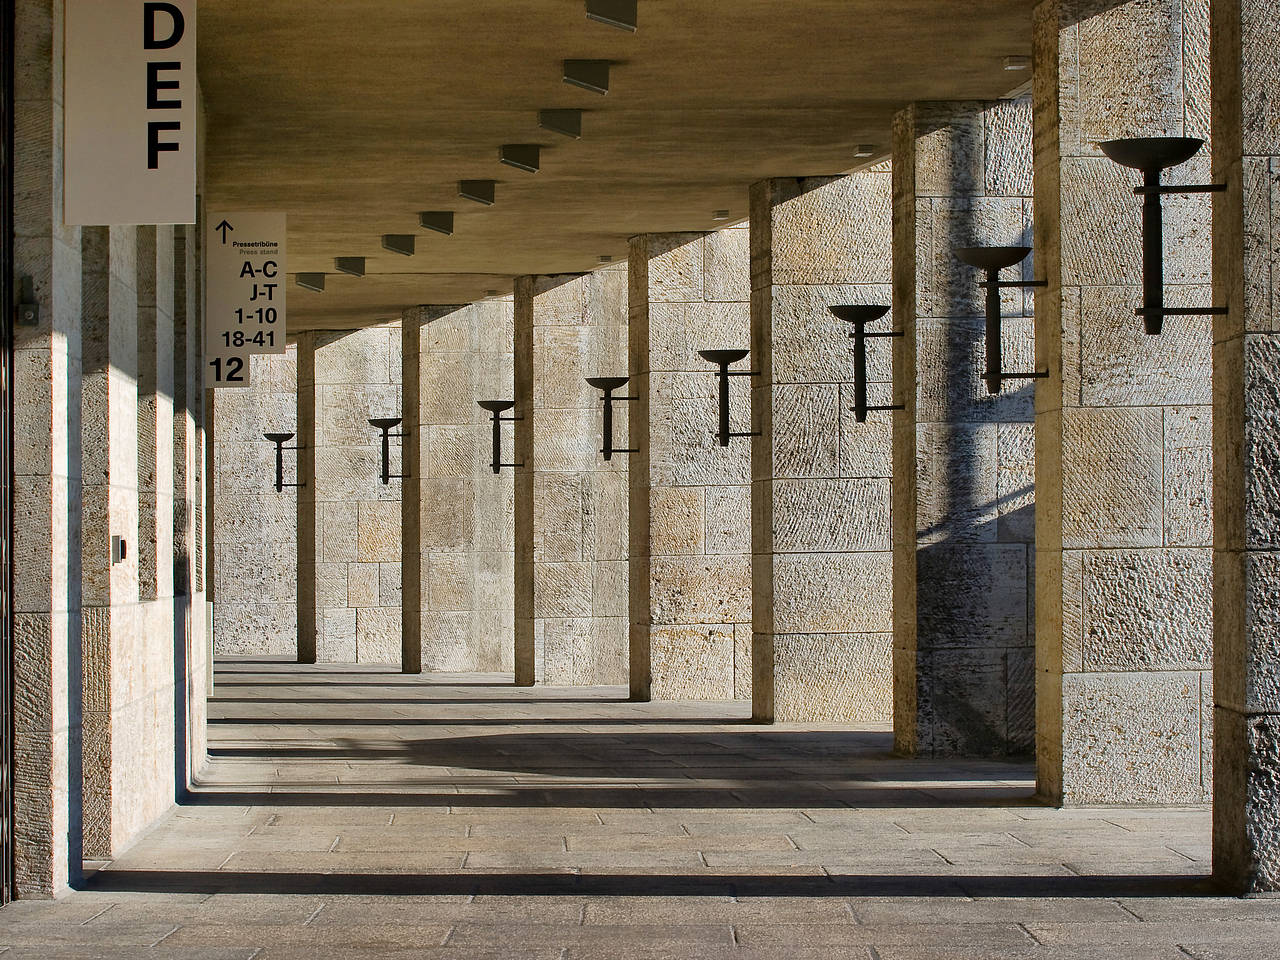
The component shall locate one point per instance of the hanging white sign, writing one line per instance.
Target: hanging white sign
(246, 261)
(130, 112)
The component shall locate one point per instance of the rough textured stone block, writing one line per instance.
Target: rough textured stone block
(677, 521)
(1131, 738)
(728, 520)
(830, 515)
(693, 662)
(833, 593)
(378, 534)
(377, 635)
(362, 584)
(450, 584)
(1147, 610)
(1112, 478)
(832, 678)
(700, 590)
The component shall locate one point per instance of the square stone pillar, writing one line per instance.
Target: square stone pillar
(964, 527)
(109, 501)
(1246, 398)
(46, 475)
(1123, 555)
(411, 559)
(570, 504)
(821, 554)
(690, 507)
(310, 544)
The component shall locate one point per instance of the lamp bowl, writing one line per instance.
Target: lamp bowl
(496, 406)
(385, 423)
(1152, 153)
(279, 437)
(859, 312)
(723, 357)
(607, 384)
(992, 258)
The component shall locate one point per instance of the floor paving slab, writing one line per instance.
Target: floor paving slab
(354, 813)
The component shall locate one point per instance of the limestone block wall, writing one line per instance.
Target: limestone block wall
(1123, 453)
(466, 530)
(570, 505)
(822, 564)
(346, 379)
(963, 179)
(254, 527)
(690, 512)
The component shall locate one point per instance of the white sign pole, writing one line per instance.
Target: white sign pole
(246, 261)
(130, 112)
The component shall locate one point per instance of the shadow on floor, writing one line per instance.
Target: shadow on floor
(643, 885)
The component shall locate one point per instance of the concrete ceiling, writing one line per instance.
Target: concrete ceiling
(353, 116)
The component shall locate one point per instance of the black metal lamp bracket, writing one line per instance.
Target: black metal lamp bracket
(860, 315)
(722, 359)
(496, 408)
(280, 439)
(1152, 156)
(385, 424)
(992, 260)
(607, 385)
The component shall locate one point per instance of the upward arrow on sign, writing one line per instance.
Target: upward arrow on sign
(224, 227)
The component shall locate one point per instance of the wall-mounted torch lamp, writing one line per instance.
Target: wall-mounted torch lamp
(993, 260)
(385, 424)
(860, 315)
(498, 408)
(607, 385)
(1152, 155)
(722, 359)
(280, 439)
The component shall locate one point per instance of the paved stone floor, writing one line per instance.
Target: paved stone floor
(352, 812)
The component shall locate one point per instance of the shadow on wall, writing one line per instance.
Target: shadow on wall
(975, 456)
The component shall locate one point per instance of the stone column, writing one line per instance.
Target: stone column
(310, 542)
(690, 499)
(1246, 396)
(109, 501)
(1123, 557)
(964, 524)
(570, 505)
(411, 503)
(46, 494)
(821, 553)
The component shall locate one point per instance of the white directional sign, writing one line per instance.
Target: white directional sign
(130, 112)
(245, 309)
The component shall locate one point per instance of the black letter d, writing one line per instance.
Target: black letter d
(149, 11)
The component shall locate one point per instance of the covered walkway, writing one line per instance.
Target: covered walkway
(358, 812)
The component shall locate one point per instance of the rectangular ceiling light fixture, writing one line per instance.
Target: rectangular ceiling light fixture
(311, 281)
(616, 13)
(481, 191)
(352, 266)
(522, 156)
(567, 123)
(590, 75)
(402, 243)
(441, 221)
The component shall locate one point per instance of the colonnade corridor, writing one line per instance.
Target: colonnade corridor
(354, 811)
